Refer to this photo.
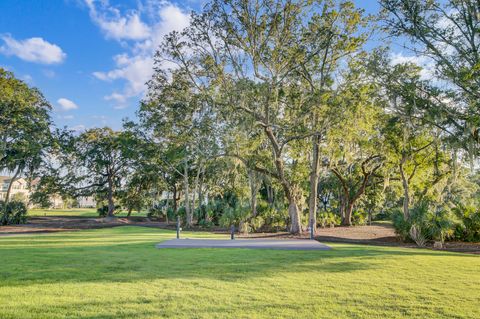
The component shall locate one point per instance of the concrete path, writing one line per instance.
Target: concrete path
(283, 244)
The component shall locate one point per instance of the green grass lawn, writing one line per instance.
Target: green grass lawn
(76, 212)
(117, 273)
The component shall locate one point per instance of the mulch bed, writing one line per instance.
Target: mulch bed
(57, 224)
(376, 234)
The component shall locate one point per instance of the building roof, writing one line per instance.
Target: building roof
(4, 179)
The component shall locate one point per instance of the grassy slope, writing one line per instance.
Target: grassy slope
(117, 273)
(75, 212)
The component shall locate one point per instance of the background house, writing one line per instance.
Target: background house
(21, 192)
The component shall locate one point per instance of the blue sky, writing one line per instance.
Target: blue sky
(90, 58)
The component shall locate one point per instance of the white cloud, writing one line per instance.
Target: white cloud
(32, 50)
(101, 118)
(67, 104)
(116, 26)
(65, 117)
(49, 73)
(117, 97)
(78, 128)
(427, 64)
(27, 78)
(135, 66)
(137, 70)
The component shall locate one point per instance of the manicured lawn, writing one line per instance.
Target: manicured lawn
(75, 212)
(117, 273)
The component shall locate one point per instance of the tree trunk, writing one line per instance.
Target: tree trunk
(195, 187)
(290, 189)
(111, 204)
(253, 192)
(167, 204)
(175, 203)
(294, 213)
(270, 195)
(347, 220)
(406, 192)
(4, 219)
(342, 205)
(314, 175)
(188, 213)
(9, 189)
(200, 188)
(129, 212)
(293, 210)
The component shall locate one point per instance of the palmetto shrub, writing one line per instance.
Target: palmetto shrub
(425, 222)
(417, 236)
(12, 213)
(468, 229)
(328, 219)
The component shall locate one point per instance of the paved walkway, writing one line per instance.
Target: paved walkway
(283, 244)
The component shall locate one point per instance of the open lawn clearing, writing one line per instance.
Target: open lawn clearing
(118, 273)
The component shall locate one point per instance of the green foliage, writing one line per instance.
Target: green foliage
(401, 225)
(13, 213)
(102, 211)
(432, 26)
(156, 211)
(25, 123)
(359, 217)
(328, 219)
(468, 229)
(433, 223)
(270, 217)
(256, 223)
(440, 224)
(234, 215)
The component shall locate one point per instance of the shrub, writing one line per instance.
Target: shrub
(328, 219)
(275, 219)
(171, 214)
(359, 218)
(424, 223)
(402, 227)
(182, 213)
(13, 213)
(103, 210)
(156, 211)
(384, 214)
(234, 215)
(468, 228)
(205, 223)
(417, 236)
(205, 215)
(256, 223)
(440, 224)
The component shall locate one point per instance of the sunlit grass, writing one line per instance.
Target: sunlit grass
(118, 273)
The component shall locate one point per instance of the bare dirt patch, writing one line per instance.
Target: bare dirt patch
(376, 234)
(56, 224)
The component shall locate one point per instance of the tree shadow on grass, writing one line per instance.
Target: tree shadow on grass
(143, 262)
